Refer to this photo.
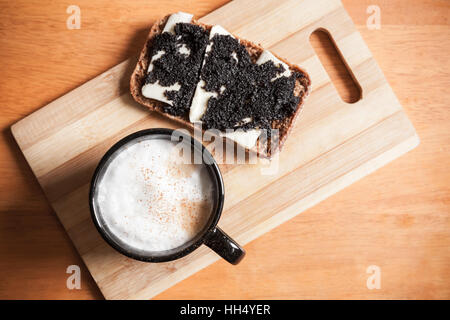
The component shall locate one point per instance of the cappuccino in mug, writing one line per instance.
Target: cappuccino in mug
(152, 201)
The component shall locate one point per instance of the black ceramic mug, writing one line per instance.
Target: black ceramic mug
(211, 235)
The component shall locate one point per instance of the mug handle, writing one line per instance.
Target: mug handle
(224, 246)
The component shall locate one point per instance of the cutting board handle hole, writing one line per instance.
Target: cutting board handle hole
(340, 74)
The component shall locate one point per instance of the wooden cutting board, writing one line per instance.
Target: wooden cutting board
(332, 145)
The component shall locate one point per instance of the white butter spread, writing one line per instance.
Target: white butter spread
(248, 138)
(266, 55)
(155, 90)
(179, 17)
(200, 102)
(244, 121)
(201, 96)
(215, 30)
(183, 49)
(155, 57)
(244, 138)
(234, 55)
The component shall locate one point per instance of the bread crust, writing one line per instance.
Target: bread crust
(302, 88)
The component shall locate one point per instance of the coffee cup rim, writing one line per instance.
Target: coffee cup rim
(172, 254)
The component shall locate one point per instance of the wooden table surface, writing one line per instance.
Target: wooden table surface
(398, 218)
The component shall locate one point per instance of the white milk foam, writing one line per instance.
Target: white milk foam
(151, 201)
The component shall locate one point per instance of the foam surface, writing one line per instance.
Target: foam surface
(152, 201)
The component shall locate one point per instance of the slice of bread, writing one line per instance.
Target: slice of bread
(264, 148)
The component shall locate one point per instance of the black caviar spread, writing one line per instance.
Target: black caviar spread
(249, 92)
(245, 89)
(175, 66)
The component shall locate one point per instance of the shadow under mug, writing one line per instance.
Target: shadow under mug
(211, 235)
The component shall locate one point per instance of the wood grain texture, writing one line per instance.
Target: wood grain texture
(404, 207)
(332, 145)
